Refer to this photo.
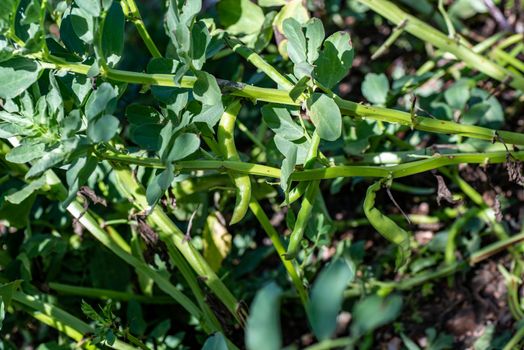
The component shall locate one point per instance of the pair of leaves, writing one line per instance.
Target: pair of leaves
(329, 66)
(102, 125)
(174, 146)
(302, 49)
(289, 139)
(189, 38)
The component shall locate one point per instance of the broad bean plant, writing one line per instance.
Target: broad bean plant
(169, 145)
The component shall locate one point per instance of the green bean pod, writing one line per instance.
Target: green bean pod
(226, 143)
(385, 226)
(311, 157)
(311, 190)
(302, 220)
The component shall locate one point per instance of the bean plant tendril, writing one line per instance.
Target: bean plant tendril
(179, 174)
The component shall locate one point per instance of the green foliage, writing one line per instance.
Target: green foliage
(122, 171)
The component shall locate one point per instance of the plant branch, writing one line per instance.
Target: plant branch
(256, 93)
(396, 171)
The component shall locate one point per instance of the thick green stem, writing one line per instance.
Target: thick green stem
(255, 93)
(395, 171)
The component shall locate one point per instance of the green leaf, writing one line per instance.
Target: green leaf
(164, 94)
(292, 9)
(327, 295)
(83, 25)
(160, 184)
(494, 116)
(69, 36)
(242, 18)
(215, 342)
(102, 100)
(182, 146)
(325, 115)
(475, 114)
(92, 7)
(103, 129)
(206, 89)
(17, 119)
(138, 114)
(146, 136)
(458, 94)
(284, 146)
(135, 318)
(77, 175)
(279, 120)
(335, 60)
(375, 88)
(113, 35)
(18, 74)
(296, 45)
(26, 152)
(288, 166)
(71, 124)
(299, 88)
(7, 12)
(26, 191)
(263, 325)
(49, 160)
(315, 36)
(200, 39)
(9, 130)
(373, 312)
(8, 289)
(271, 3)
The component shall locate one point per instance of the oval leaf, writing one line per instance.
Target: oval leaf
(103, 129)
(183, 146)
(375, 88)
(18, 74)
(326, 297)
(279, 120)
(215, 342)
(374, 311)
(263, 325)
(325, 115)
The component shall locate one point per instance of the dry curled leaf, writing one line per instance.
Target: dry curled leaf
(90, 194)
(146, 232)
(514, 167)
(443, 192)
